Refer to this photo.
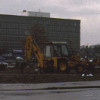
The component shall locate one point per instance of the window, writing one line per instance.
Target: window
(48, 51)
(64, 50)
(56, 50)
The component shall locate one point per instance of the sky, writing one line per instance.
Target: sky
(87, 11)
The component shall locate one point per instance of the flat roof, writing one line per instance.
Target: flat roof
(38, 17)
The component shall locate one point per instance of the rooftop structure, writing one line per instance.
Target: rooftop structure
(35, 14)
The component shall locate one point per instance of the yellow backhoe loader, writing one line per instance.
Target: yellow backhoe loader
(55, 57)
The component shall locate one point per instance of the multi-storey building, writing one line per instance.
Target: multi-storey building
(13, 29)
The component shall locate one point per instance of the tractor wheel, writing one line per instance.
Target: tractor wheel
(79, 68)
(49, 68)
(62, 66)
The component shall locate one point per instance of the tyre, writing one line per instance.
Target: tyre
(79, 69)
(62, 66)
(48, 66)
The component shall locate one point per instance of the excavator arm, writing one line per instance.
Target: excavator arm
(30, 46)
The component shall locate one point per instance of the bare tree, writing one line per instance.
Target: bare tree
(38, 34)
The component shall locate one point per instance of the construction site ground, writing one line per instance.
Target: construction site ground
(12, 75)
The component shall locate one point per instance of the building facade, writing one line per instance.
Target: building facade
(13, 29)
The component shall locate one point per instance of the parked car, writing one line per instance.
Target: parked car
(3, 65)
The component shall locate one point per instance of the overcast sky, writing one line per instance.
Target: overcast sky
(88, 11)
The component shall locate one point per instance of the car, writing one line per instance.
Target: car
(2, 62)
(3, 65)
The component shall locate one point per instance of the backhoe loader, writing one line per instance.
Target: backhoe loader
(57, 57)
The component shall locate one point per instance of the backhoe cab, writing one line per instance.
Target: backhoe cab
(56, 56)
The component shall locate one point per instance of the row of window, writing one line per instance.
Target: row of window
(15, 26)
(62, 34)
(10, 47)
(22, 38)
(9, 43)
(22, 33)
(13, 32)
(62, 29)
(11, 38)
(61, 22)
(29, 25)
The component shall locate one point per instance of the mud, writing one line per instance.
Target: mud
(15, 76)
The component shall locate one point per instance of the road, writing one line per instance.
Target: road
(50, 91)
